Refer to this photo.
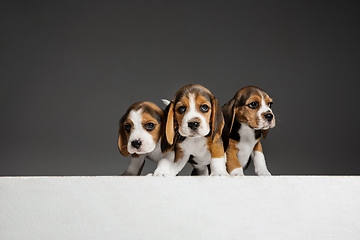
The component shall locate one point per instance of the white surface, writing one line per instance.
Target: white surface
(179, 208)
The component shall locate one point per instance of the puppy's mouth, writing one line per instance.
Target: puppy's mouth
(141, 150)
(194, 134)
(265, 126)
(190, 133)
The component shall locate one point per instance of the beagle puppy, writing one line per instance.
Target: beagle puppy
(248, 116)
(139, 135)
(193, 129)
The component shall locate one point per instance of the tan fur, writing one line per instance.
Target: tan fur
(217, 124)
(184, 102)
(178, 154)
(216, 148)
(258, 147)
(147, 118)
(231, 154)
(122, 142)
(200, 100)
(169, 130)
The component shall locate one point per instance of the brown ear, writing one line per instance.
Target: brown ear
(169, 133)
(217, 119)
(123, 141)
(229, 113)
(264, 133)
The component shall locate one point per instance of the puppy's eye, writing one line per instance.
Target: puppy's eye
(181, 109)
(253, 105)
(127, 128)
(149, 126)
(270, 104)
(204, 108)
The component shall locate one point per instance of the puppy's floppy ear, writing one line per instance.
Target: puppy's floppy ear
(264, 133)
(168, 128)
(229, 113)
(217, 119)
(123, 141)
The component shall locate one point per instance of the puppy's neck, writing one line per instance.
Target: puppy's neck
(243, 132)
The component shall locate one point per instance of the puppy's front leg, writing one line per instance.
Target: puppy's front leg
(233, 165)
(171, 164)
(136, 165)
(218, 159)
(259, 161)
(165, 167)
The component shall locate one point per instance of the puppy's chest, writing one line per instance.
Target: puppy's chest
(196, 147)
(247, 138)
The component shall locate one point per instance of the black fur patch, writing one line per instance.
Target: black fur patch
(192, 161)
(153, 113)
(245, 97)
(235, 131)
(257, 134)
(225, 137)
(248, 163)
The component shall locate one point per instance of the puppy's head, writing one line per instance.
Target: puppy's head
(194, 112)
(252, 106)
(140, 128)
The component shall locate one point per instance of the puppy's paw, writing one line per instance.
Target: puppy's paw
(238, 172)
(161, 174)
(263, 173)
(219, 174)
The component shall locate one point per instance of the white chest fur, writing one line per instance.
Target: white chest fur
(198, 148)
(246, 144)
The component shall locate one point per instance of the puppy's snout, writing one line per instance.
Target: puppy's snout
(193, 125)
(269, 117)
(136, 144)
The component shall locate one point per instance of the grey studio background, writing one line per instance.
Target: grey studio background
(70, 69)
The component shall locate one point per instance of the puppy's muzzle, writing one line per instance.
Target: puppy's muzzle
(269, 117)
(136, 144)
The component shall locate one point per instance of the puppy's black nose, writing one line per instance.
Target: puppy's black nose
(136, 144)
(269, 117)
(193, 125)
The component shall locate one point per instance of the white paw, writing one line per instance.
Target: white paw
(149, 175)
(238, 172)
(263, 173)
(161, 174)
(219, 174)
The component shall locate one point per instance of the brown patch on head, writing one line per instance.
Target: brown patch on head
(182, 106)
(248, 114)
(149, 119)
(204, 107)
(151, 114)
